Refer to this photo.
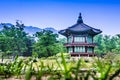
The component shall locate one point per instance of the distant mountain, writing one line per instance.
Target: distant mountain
(1, 27)
(31, 29)
(51, 29)
(8, 24)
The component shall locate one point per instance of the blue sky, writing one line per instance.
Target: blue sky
(60, 14)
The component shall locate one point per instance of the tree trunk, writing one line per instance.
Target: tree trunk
(49, 53)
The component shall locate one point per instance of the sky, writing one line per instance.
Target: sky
(60, 14)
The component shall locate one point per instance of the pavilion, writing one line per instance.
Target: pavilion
(80, 38)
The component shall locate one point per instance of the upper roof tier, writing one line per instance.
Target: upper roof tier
(80, 28)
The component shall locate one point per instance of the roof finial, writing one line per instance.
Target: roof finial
(80, 19)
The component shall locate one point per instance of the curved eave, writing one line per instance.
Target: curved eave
(90, 31)
(62, 32)
(96, 31)
(84, 28)
(80, 29)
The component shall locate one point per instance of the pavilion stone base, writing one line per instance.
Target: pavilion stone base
(82, 54)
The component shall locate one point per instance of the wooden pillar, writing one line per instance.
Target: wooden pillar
(86, 49)
(85, 39)
(93, 50)
(73, 39)
(73, 49)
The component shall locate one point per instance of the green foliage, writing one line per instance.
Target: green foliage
(28, 73)
(14, 68)
(117, 72)
(13, 40)
(77, 69)
(103, 69)
(47, 44)
(67, 69)
(107, 44)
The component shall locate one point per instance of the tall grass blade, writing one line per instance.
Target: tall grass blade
(117, 72)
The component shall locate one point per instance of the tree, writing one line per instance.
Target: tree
(47, 44)
(4, 48)
(117, 43)
(100, 45)
(107, 44)
(62, 41)
(14, 39)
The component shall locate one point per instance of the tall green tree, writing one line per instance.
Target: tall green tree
(14, 39)
(107, 44)
(4, 45)
(117, 44)
(100, 44)
(62, 41)
(47, 44)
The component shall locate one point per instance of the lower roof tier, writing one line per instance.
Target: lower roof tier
(81, 44)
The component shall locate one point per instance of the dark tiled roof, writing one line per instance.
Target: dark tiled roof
(80, 27)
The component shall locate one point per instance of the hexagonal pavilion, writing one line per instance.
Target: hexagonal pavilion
(80, 38)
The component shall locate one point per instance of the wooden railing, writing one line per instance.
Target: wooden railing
(82, 54)
(80, 44)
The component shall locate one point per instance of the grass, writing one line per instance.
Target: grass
(62, 67)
